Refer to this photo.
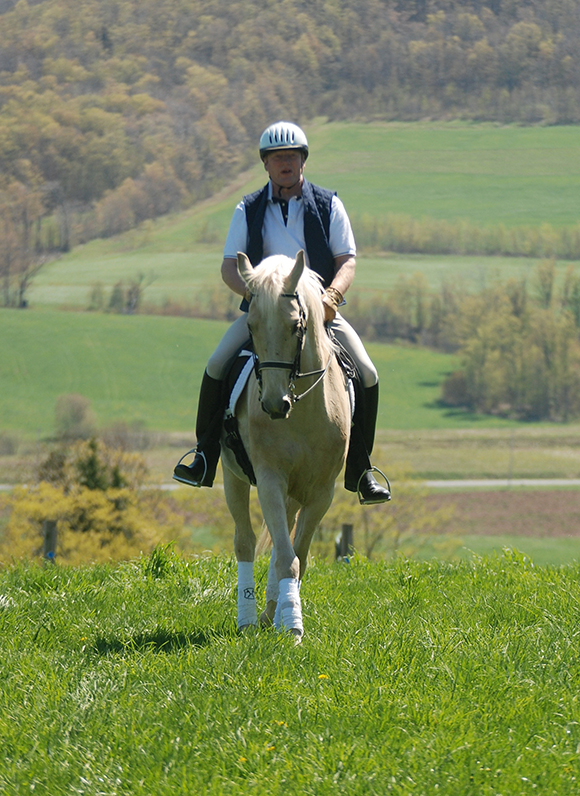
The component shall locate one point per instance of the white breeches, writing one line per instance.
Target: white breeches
(221, 359)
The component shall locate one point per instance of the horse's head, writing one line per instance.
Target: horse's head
(277, 323)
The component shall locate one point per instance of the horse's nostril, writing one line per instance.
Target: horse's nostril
(279, 412)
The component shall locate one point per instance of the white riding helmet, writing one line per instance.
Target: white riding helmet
(283, 135)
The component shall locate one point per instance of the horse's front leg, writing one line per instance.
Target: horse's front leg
(272, 590)
(272, 493)
(238, 499)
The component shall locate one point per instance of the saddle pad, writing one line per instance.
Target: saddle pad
(241, 381)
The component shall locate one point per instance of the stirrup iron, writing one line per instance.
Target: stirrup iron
(372, 469)
(192, 483)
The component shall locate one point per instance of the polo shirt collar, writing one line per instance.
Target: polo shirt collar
(271, 192)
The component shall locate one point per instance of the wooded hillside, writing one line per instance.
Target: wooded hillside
(115, 111)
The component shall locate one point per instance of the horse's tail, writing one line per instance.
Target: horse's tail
(264, 543)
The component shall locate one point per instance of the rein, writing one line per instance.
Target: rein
(294, 366)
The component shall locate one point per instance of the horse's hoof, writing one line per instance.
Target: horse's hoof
(249, 628)
(265, 621)
(267, 615)
(296, 635)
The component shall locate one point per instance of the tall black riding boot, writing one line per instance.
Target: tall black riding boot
(208, 428)
(370, 408)
(358, 476)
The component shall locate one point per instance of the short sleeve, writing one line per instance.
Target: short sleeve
(237, 237)
(341, 237)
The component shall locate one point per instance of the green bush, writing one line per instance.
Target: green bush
(74, 418)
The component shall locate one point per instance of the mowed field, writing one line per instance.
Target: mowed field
(148, 369)
(486, 174)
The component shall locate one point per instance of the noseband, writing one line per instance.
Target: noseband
(294, 366)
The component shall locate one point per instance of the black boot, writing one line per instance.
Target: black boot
(359, 470)
(208, 428)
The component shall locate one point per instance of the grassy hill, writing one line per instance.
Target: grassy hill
(148, 369)
(412, 678)
(483, 173)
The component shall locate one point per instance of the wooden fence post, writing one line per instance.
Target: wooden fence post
(344, 546)
(49, 534)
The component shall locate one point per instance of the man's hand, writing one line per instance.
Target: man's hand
(329, 309)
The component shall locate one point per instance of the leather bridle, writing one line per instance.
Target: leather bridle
(294, 366)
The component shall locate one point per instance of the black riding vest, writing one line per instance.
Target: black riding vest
(317, 204)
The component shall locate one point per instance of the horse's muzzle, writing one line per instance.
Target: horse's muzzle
(280, 412)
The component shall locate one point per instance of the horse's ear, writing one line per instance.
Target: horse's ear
(294, 276)
(245, 267)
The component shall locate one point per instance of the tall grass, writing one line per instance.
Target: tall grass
(413, 678)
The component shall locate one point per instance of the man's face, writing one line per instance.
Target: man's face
(285, 166)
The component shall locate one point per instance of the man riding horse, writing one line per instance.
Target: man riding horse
(287, 215)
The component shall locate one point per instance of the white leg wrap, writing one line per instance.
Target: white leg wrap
(247, 614)
(289, 605)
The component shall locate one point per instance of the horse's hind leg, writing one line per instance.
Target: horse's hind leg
(308, 521)
(238, 500)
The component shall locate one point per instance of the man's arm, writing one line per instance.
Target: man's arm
(231, 276)
(344, 269)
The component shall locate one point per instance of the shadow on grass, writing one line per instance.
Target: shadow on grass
(159, 640)
(457, 412)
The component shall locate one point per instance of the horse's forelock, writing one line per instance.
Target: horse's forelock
(268, 281)
(269, 277)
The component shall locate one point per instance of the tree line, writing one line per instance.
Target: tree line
(118, 111)
(518, 341)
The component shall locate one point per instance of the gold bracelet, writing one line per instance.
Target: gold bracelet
(334, 295)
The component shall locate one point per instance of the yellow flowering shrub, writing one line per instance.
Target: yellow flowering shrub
(94, 495)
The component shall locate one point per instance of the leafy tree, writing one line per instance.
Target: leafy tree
(520, 358)
(21, 210)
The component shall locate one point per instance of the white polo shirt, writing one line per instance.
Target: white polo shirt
(279, 238)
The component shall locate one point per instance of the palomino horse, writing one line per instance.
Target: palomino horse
(294, 420)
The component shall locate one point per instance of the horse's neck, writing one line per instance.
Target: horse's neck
(316, 352)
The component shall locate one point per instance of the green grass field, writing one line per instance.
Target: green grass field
(413, 678)
(181, 276)
(543, 552)
(148, 369)
(484, 173)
